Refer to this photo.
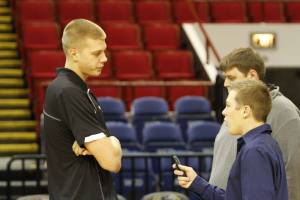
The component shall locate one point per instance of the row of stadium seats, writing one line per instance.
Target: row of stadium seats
(160, 137)
(148, 109)
(165, 11)
(121, 36)
(123, 65)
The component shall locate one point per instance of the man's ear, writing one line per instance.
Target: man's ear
(73, 53)
(246, 111)
(252, 74)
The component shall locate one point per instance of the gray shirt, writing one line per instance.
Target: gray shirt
(284, 119)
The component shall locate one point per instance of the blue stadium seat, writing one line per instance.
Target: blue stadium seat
(126, 134)
(148, 109)
(201, 137)
(163, 137)
(192, 108)
(113, 109)
(139, 168)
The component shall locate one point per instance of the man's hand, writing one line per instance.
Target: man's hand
(79, 151)
(185, 181)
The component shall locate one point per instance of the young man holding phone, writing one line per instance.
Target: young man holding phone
(258, 171)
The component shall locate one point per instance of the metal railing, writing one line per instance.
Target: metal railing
(133, 181)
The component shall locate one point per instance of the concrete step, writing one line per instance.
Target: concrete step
(6, 19)
(14, 103)
(6, 54)
(20, 135)
(5, 11)
(19, 148)
(6, 27)
(12, 82)
(11, 73)
(12, 45)
(17, 125)
(10, 63)
(3, 2)
(15, 114)
(13, 92)
(8, 37)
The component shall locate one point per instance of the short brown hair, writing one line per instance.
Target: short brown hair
(244, 59)
(78, 30)
(255, 94)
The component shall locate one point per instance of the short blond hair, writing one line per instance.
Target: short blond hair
(78, 30)
(254, 94)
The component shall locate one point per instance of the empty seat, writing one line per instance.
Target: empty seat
(114, 11)
(106, 90)
(43, 64)
(202, 135)
(113, 109)
(34, 10)
(133, 65)
(162, 36)
(174, 64)
(161, 136)
(191, 108)
(40, 35)
(202, 10)
(148, 109)
(184, 11)
(293, 11)
(126, 135)
(228, 11)
(255, 11)
(123, 36)
(73, 9)
(142, 91)
(273, 11)
(143, 177)
(174, 92)
(149, 11)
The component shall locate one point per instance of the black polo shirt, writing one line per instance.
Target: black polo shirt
(72, 113)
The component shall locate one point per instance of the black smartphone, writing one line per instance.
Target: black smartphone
(177, 162)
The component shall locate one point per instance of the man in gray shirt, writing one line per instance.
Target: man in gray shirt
(284, 118)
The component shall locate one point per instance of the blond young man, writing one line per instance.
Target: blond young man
(79, 170)
(284, 118)
(258, 171)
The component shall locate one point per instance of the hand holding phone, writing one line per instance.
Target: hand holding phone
(177, 162)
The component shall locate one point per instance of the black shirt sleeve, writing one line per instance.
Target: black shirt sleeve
(79, 114)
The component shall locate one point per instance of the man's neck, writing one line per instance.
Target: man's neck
(74, 68)
(251, 124)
